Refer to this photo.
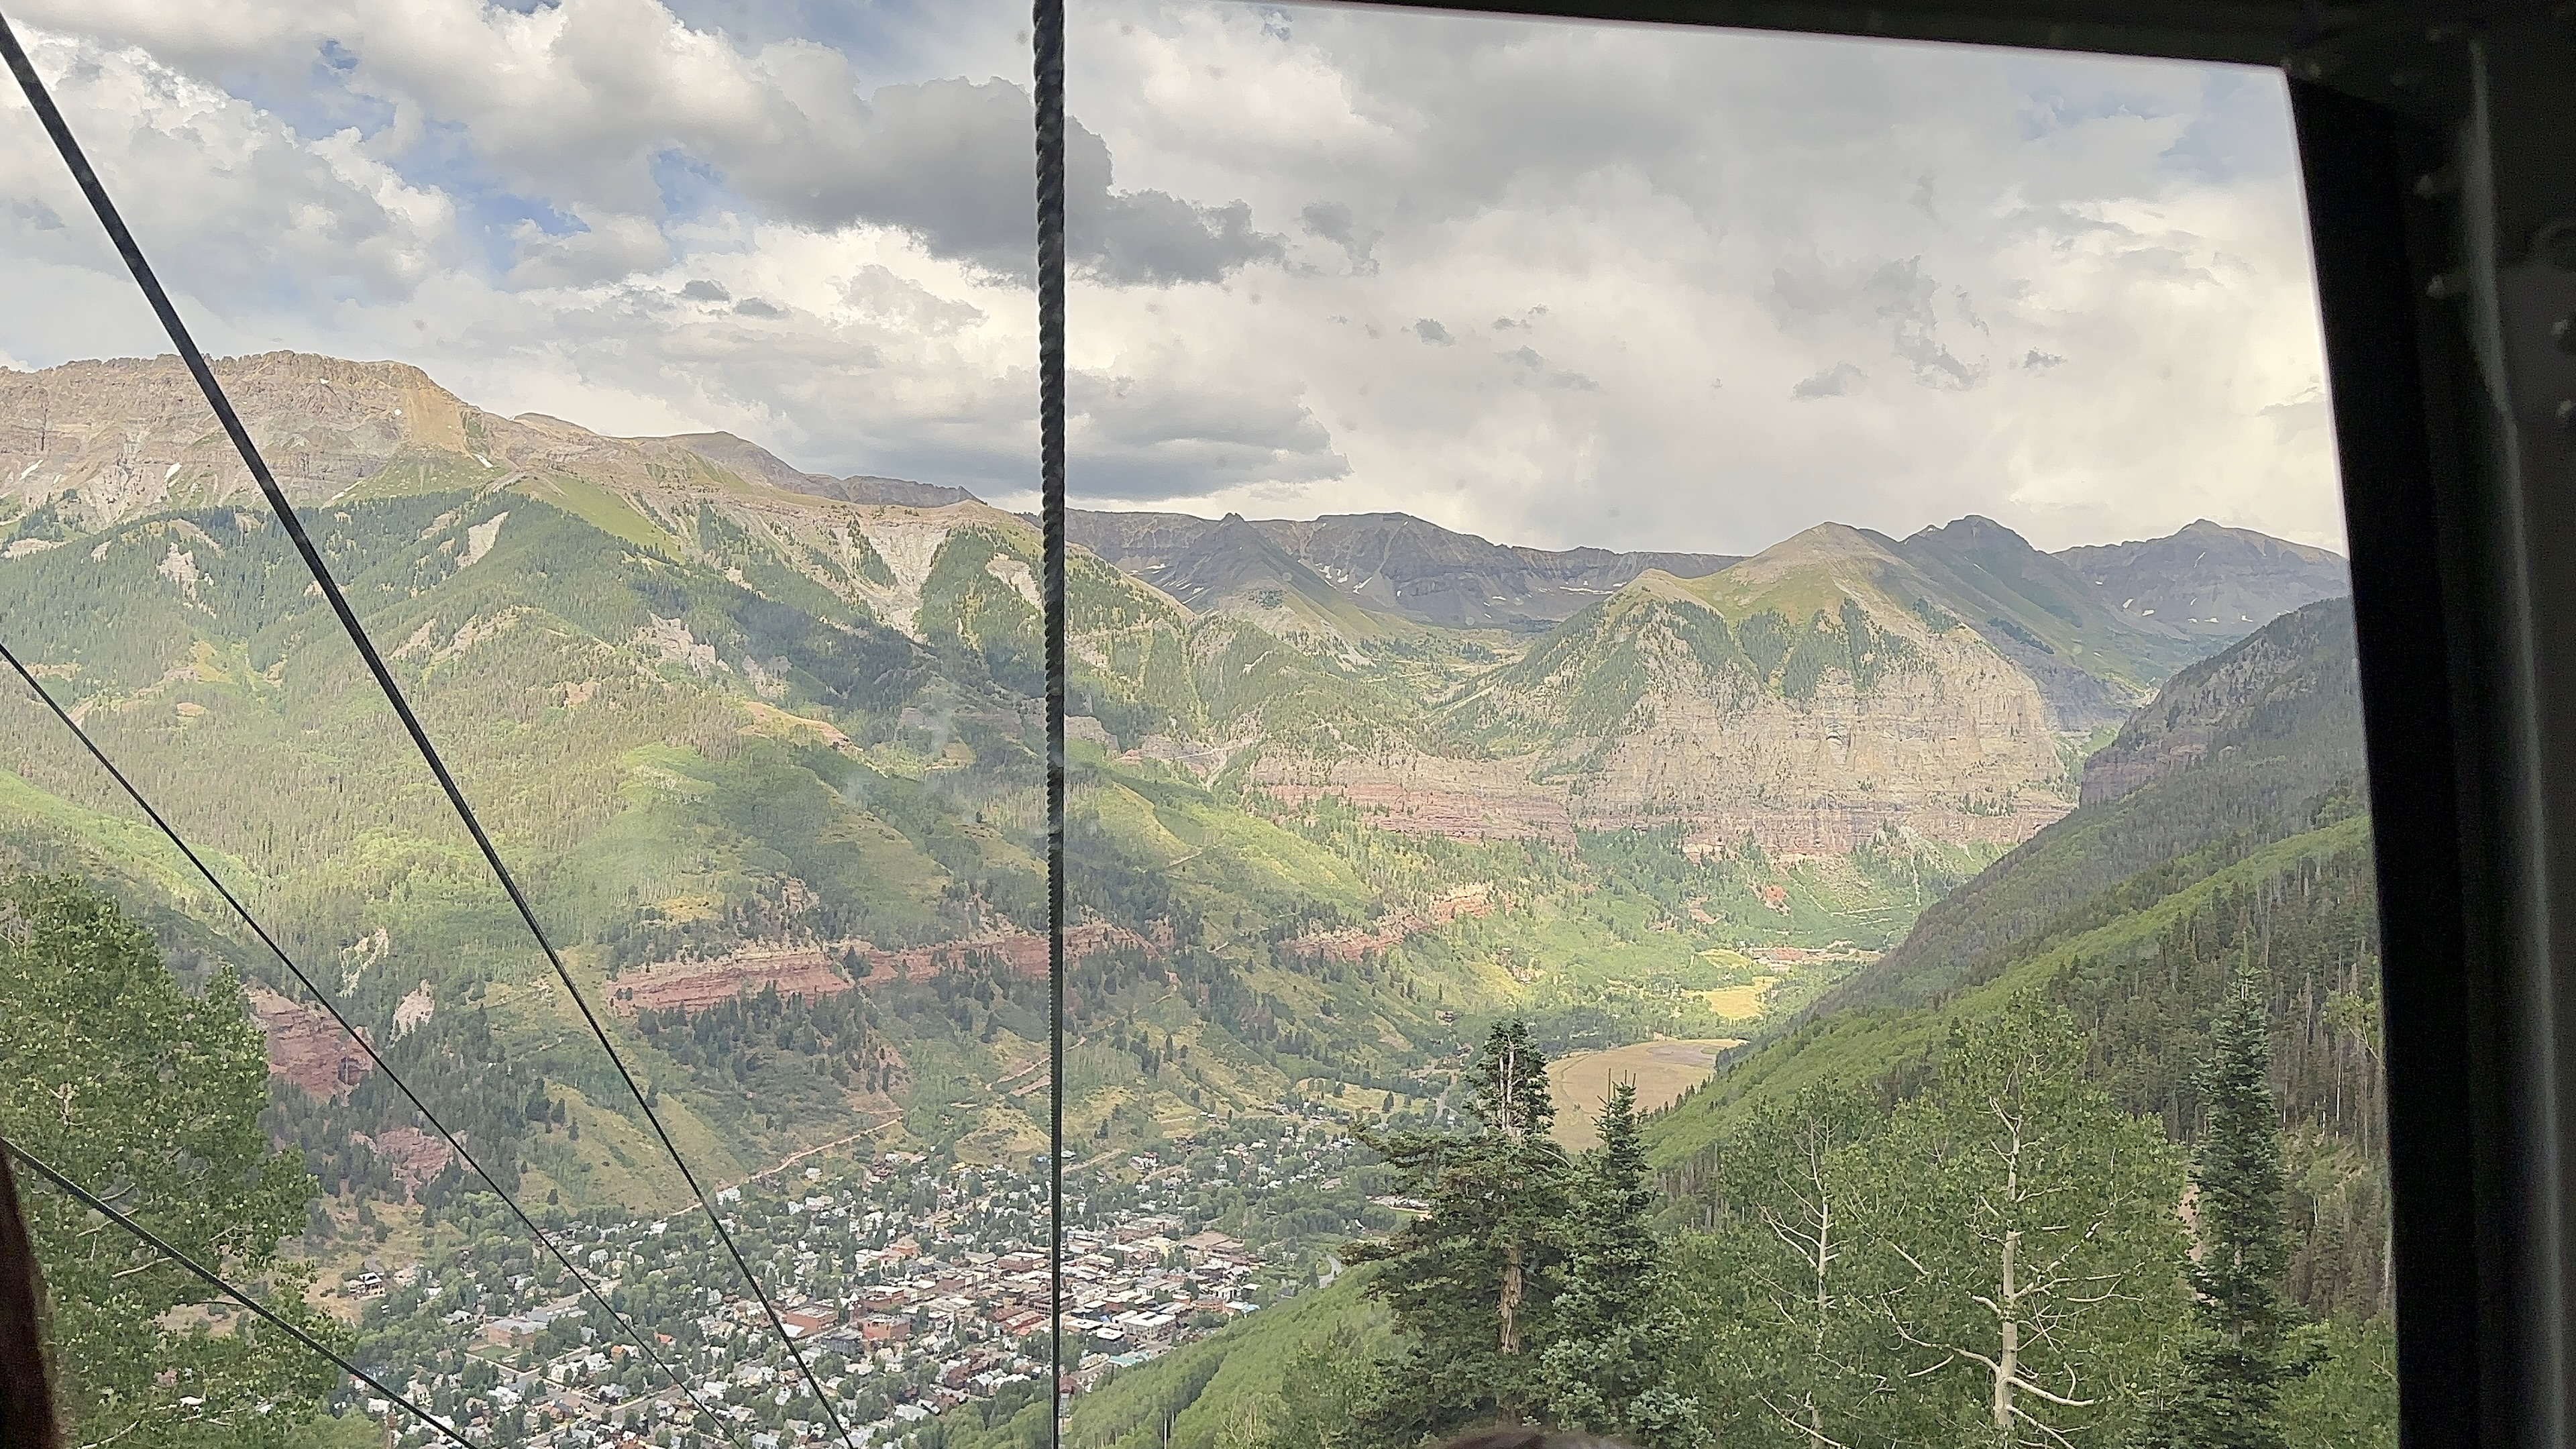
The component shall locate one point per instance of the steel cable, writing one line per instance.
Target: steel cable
(1047, 65)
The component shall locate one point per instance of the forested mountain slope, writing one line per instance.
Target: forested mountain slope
(2131, 913)
(2228, 757)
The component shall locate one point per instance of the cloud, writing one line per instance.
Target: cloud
(598, 249)
(1331, 221)
(879, 293)
(1840, 380)
(233, 203)
(949, 162)
(594, 104)
(2070, 293)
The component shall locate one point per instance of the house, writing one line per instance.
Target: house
(1202, 1246)
(808, 1321)
(506, 1331)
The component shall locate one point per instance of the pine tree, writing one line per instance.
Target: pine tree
(1471, 1281)
(1615, 1327)
(2236, 1357)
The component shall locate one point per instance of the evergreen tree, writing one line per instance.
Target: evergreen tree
(1616, 1328)
(1470, 1283)
(2237, 1355)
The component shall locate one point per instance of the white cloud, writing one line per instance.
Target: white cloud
(1556, 284)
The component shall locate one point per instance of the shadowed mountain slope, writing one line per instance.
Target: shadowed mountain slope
(1396, 564)
(2209, 581)
(2091, 662)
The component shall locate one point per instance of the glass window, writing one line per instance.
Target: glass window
(654, 464)
(1720, 770)
(1714, 752)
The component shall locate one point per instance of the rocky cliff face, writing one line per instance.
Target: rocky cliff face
(1833, 686)
(1792, 698)
(105, 441)
(2209, 581)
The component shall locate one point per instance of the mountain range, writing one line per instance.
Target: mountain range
(1834, 685)
(745, 726)
(765, 747)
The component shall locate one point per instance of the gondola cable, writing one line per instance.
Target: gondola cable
(214, 1280)
(41, 100)
(151, 813)
(1046, 27)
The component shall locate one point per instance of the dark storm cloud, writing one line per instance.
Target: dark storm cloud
(948, 161)
(1140, 440)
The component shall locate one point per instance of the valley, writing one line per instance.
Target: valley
(767, 748)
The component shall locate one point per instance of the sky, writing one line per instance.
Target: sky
(1550, 283)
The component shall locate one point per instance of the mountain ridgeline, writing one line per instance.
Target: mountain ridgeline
(767, 747)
